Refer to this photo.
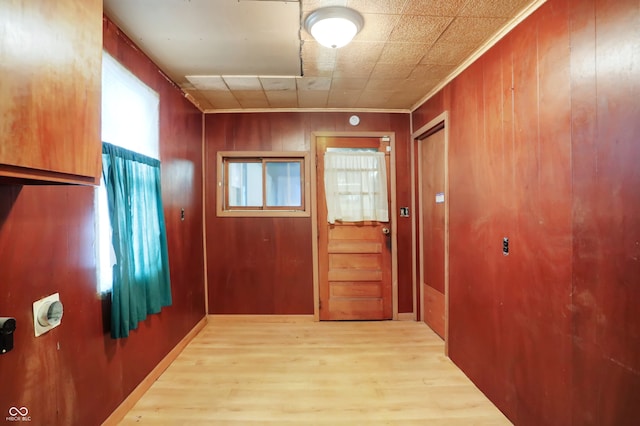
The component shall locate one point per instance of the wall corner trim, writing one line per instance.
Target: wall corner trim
(121, 411)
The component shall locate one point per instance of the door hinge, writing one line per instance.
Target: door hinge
(320, 304)
(384, 141)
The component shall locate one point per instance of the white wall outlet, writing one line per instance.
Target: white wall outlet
(47, 314)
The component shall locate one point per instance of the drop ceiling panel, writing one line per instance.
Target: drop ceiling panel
(278, 84)
(207, 82)
(242, 83)
(282, 99)
(213, 37)
(254, 54)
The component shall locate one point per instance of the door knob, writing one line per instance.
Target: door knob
(386, 231)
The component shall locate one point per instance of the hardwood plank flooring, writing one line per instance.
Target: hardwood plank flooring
(314, 373)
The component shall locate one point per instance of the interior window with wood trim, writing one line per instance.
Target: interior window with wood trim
(263, 183)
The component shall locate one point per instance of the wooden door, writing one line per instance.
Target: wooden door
(354, 259)
(432, 271)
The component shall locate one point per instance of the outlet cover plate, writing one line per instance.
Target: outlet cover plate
(40, 329)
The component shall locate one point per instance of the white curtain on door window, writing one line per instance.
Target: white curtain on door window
(355, 185)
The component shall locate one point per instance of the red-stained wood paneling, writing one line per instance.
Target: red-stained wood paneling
(400, 124)
(264, 265)
(76, 374)
(543, 149)
(605, 38)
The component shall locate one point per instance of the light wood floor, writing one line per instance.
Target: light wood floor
(308, 373)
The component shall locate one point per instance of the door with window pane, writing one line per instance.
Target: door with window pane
(354, 258)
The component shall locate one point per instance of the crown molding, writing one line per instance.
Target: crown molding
(348, 110)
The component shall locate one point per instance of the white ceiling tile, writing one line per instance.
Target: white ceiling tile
(241, 82)
(207, 82)
(282, 99)
(251, 98)
(493, 8)
(377, 6)
(472, 30)
(313, 83)
(343, 98)
(312, 98)
(220, 100)
(278, 83)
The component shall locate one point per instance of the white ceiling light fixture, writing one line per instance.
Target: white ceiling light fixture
(334, 26)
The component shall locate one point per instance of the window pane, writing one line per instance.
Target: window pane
(130, 116)
(130, 110)
(245, 184)
(283, 184)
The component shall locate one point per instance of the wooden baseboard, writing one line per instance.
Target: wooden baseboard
(220, 318)
(406, 316)
(260, 318)
(131, 400)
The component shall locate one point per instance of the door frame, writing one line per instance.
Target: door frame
(392, 214)
(417, 234)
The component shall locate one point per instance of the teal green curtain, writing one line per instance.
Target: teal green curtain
(141, 283)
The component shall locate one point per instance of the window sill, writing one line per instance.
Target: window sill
(263, 213)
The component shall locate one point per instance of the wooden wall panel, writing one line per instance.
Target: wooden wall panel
(605, 91)
(264, 265)
(476, 221)
(399, 122)
(76, 374)
(543, 149)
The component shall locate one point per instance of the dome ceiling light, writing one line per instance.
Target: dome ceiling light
(334, 26)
